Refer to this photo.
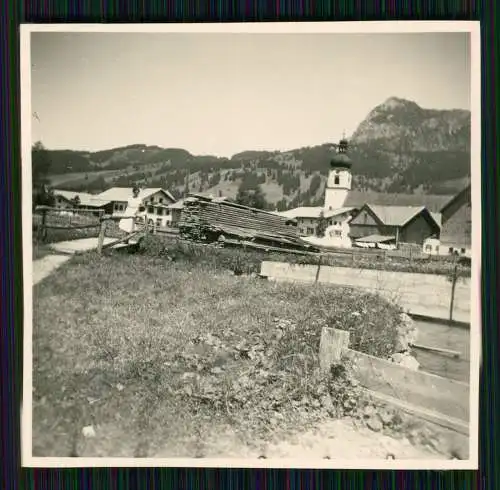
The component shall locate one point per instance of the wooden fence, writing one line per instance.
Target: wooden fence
(49, 218)
(426, 295)
(438, 400)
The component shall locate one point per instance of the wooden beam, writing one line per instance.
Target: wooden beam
(438, 350)
(332, 345)
(445, 396)
(100, 239)
(439, 419)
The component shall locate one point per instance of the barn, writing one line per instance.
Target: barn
(402, 224)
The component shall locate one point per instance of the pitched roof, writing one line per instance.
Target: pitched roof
(85, 198)
(437, 218)
(177, 205)
(461, 197)
(401, 215)
(433, 203)
(313, 212)
(395, 215)
(123, 194)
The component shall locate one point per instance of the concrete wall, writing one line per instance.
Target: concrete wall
(420, 294)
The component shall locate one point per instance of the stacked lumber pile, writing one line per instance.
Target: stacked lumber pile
(212, 219)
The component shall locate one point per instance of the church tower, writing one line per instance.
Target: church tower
(339, 178)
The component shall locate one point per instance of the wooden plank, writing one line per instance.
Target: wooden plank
(437, 350)
(83, 227)
(122, 240)
(332, 344)
(239, 220)
(431, 392)
(439, 419)
(100, 239)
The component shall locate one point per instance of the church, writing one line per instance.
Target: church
(334, 214)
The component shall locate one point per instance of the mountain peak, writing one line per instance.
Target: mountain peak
(397, 103)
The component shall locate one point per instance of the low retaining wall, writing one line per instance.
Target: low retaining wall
(420, 294)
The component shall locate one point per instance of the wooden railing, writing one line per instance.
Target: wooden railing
(77, 219)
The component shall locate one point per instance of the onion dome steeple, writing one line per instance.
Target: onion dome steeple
(341, 159)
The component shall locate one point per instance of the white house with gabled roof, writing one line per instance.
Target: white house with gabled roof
(155, 200)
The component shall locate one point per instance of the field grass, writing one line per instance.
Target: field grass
(157, 354)
(250, 260)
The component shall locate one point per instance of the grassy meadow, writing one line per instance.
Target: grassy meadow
(160, 355)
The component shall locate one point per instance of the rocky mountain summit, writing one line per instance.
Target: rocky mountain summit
(402, 125)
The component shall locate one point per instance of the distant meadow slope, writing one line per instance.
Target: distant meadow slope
(399, 148)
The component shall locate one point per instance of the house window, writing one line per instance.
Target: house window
(160, 200)
(310, 231)
(151, 209)
(450, 250)
(337, 180)
(158, 222)
(159, 212)
(428, 248)
(167, 212)
(462, 250)
(338, 233)
(365, 218)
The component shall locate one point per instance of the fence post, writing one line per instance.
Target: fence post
(319, 268)
(332, 344)
(102, 231)
(453, 285)
(43, 226)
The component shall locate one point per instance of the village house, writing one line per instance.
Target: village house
(81, 200)
(393, 225)
(308, 219)
(155, 200)
(175, 211)
(456, 226)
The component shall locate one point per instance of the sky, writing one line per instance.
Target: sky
(221, 93)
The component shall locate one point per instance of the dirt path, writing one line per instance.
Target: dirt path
(45, 266)
(331, 440)
(335, 440)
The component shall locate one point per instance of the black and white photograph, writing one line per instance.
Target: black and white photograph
(251, 245)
